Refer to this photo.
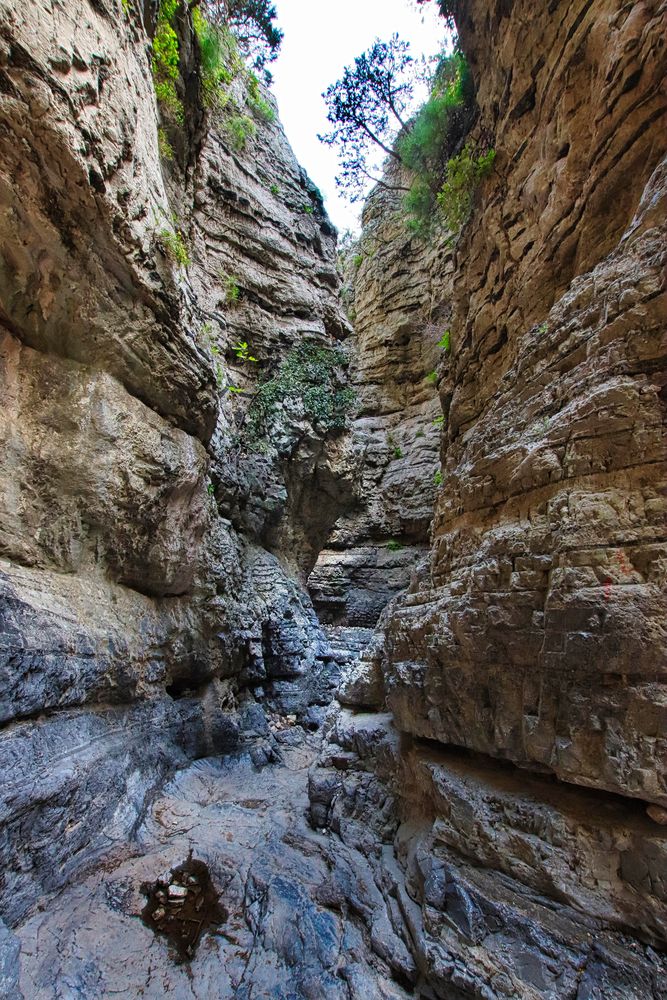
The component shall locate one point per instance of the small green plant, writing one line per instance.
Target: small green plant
(418, 205)
(165, 62)
(238, 129)
(206, 333)
(357, 261)
(242, 351)
(274, 189)
(432, 377)
(173, 244)
(398, 452)
(230, 288)
(542, 328)
(259, 106)
(125, 4)
(234, 389)
(439, 421)
(308, 209)
(164, 146)
(419, 434)
(207, 336)
(437, 478)
(445, 342)
(394, 546)
(210, 489)
(463, 175)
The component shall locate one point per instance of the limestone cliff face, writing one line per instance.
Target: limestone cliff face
(534, 636)
(483, 541)
(399, 317)
(539, 628)
(148, 575)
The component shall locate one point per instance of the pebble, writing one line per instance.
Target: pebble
(178, 892)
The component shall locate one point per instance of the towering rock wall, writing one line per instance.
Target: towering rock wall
(523, 672)
(399, 317)
(148, 582)
(480, 809)
(540, 627)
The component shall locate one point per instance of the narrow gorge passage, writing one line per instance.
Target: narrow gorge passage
(333, 568)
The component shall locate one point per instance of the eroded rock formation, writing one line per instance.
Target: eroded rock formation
(524, 670)
(474, 823)
(148, 570)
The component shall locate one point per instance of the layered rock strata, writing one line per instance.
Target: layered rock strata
(474, 824)
(523, 672)
(399, 318)
(537, 634)
(148, 576)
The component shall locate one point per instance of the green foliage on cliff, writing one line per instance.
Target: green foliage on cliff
(228, 88)
(441, 118)
(258, 104)
(242, 352)
(445, 342)
(238, 129)
(365, 108)
(224, 32)
(166, 60)
(164, 146)
(252, 22)
(436, 130)
(173, 245)
(463, 175)
(220, 62)
(309, 379)
(230, 287)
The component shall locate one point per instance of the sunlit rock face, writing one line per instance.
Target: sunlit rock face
(538, 633)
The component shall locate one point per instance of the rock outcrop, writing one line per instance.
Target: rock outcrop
(540, 625)
(398, 321)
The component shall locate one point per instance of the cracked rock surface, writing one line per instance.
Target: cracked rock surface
(288, 933)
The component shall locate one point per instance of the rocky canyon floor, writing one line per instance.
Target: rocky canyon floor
(249, 824)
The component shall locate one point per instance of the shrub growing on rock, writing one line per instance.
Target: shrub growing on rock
(173, 245)
(434, 135)
(308, 379)
(463, 175)
(165, 61)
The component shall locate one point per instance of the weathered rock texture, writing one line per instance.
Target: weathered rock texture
(538, 634)
(535, 636)
(373, 549)
(474, 825)
(505, 885)
(139, 599)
